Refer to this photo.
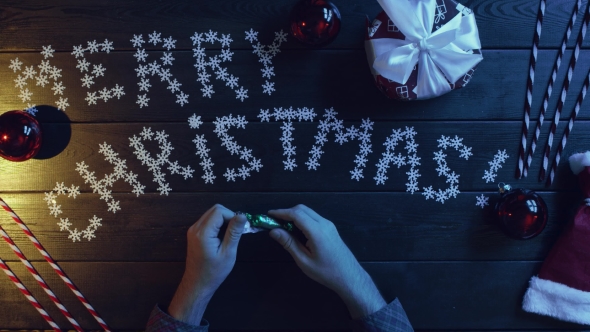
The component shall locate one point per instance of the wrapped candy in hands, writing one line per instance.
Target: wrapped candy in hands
(260, 222)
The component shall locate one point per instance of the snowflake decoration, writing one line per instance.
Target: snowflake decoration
(154, 68)
(41, 78)
(163, 158)
(389, 158)
(482, 201)
(214, 62)
(443, 169)
(222, 125)
(495, 165)
(330, 123)
(265, 55)
(195, 122)
(64, 223)
(287, 115)
(97, 71)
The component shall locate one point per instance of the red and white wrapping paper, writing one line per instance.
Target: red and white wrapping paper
(562, 288)
(421, 49)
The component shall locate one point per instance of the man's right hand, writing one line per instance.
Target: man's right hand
(326, 259)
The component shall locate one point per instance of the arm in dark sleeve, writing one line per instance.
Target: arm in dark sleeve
(391, 318)
(161, 321)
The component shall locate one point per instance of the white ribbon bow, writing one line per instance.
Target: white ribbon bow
(444, 54)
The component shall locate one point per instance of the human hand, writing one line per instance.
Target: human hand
(208, 262)
(326, 259)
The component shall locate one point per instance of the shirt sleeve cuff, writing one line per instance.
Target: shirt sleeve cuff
(161, 321)
(391, 317)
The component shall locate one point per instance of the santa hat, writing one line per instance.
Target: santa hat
(562, 288)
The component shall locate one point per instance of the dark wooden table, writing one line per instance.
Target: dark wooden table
(449, 265)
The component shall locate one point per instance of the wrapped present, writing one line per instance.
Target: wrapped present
(421, 49)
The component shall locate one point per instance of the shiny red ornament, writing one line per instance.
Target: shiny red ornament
(521, 213)
(20, 136)
(315, 22)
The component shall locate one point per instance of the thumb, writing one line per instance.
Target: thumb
(292, 245)
(234, 232)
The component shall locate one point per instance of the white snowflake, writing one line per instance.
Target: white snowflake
(140, 55)
(98, 70)
(91, 98)
(83, 65)
(489, 176)
(428, 193)
(55, 210)
(182, 99)
(142, 100)
(20, 81)
(482, 201)
(137, 40)
(25, 95)
(241, 93)
(75, 235)
(58, 88)
(169, 43)
(154, 38)
(117, 91)
(268, 87)
(62, 103)
(47, 52)
(167, 59)
(15, 64)
(87, 81)
(251, 35)
(195, 121)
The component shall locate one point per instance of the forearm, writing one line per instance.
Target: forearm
(363, 297)
(189, 303)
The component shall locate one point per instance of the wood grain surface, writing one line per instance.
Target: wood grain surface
(450, 265)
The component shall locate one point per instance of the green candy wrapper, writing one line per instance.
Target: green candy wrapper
(266, 222)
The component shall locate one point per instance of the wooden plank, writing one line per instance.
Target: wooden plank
(375, 226)
(29, 24)
(333, 174)
(264, 296)
(496, 91)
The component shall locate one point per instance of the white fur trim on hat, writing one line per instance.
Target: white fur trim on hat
(578, 161)
(546, 297)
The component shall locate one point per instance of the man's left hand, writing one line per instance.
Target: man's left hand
(208, 262)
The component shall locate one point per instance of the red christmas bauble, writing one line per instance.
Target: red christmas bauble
(315, 22)
(20, 136)
(522, 213)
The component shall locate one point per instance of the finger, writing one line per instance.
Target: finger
(233, 233)
(297, 250)
(301, 219)
(214, 219)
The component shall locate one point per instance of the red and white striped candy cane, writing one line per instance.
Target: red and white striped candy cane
(29, 296)
(55, 267)
(568, 130)
(40, 280)
(556, 65)
(566, 84)
(529, 90)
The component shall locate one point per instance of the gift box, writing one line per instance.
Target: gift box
(421, 49)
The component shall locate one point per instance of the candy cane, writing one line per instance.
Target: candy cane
(55, 267)
(566, 84)
(529, 90)
(568, 130)
(40, 280)
(28, 295)
(550, 86)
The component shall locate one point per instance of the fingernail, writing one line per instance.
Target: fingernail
(275, 235)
